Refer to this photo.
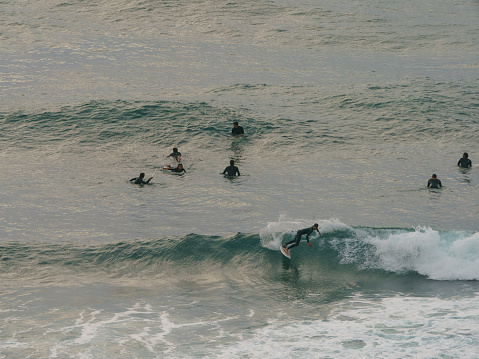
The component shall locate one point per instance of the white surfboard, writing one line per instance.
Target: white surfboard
(285, 252)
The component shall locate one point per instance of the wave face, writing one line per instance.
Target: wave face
(438, 255)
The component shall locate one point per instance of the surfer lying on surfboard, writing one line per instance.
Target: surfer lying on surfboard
(299, 234)
(140, 180)
(178, 169)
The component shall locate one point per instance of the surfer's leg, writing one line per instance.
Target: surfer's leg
(293, 244)
(285, 245)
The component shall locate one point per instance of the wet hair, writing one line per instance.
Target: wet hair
(142, 175)
(465, 155)
(434, 175)
(315, 225)
(235, 123)
(175, 149)
(232, 162)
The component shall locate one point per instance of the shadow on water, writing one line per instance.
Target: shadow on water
(237, 148)
(313, 278)
(286, 263)
(465, 175)
(435, 193)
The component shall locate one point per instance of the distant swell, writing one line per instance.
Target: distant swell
(106, 124)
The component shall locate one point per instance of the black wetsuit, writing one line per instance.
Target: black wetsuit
(139, 180)
(299, 234)
(434, 183)
(175, 155)
(177, 170)
(465, 162)
(232, 171)
(237, 131)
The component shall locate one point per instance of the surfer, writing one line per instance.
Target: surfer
(178, 169)
(237, 130)
(140, 180)
(465, 162)
(176, 155)
(299, 234)
(232, 170)
(434, 182)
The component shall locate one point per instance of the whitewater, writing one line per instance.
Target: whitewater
(348, 109)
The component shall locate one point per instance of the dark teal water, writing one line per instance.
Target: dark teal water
(196, 295)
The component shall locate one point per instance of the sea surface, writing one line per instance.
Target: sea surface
(348, 108)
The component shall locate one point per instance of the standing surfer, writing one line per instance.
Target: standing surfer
(299, 234)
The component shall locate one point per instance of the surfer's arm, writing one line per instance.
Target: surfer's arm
(319, 233)
(307, 236)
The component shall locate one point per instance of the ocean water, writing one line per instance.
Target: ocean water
(348, 109)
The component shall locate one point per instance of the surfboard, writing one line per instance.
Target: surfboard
(285, 252)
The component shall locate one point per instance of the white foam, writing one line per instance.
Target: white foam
(440, 256)
(396, 327)
(357, 327)
(91, 328)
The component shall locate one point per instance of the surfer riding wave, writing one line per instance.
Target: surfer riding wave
(295, 242)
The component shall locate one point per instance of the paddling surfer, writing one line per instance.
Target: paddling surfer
(178, 169)
(175, 154)
(140, 180)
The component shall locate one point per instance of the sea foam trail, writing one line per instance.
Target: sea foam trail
(439, 255)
